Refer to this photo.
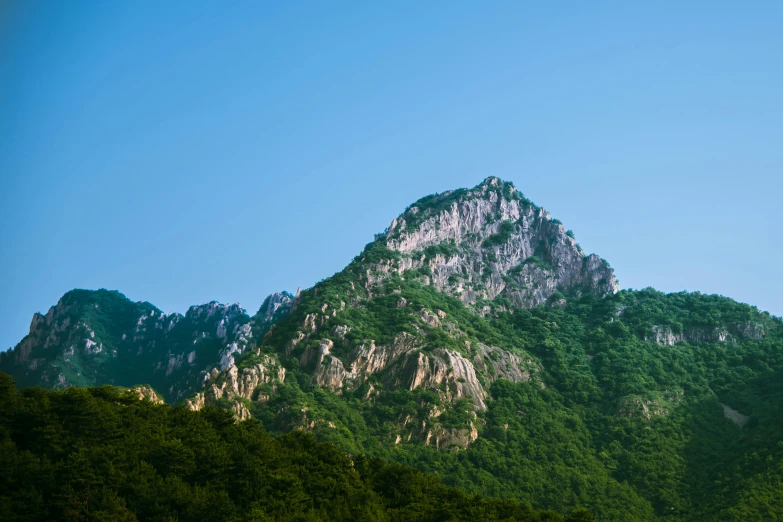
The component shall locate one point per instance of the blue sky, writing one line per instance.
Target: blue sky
(187, 151)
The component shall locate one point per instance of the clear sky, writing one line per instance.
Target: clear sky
(185, 151)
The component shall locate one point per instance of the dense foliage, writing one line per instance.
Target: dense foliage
(617, 423)
(100, 454)
(613, 421)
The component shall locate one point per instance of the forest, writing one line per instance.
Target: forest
(614, 422)
(102, 454)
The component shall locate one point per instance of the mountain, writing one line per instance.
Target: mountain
(386, 320)
(476, 340)
(492, 242)
(101, 337)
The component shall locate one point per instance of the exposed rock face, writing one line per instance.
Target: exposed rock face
(640, 407)
(664, 335)
(339, 331)
(239, 385)
(490, 242)
(750, 330)
(647, 408)
(218, 333)
(240, 411)
(735, 416)
(502, 364)
(365, 360)
(145, 393)
(445, 438)
(275, 307)
(430, 432)
(44, 330)
(368, 359)
(402, 364)
(329, 371)
(446, 367)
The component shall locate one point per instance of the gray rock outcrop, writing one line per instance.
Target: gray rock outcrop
(491, 242)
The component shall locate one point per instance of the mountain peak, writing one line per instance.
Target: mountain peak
(495, 183)
(491, 241)
(274, 307)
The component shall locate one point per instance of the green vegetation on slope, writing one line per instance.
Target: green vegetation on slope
(614, 421)
(101, 454)
(104, 313)
(102, 337)
(622, 407)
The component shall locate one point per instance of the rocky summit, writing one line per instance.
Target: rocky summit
(474, 338)
(491, 241)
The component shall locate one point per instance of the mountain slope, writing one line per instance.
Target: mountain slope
(475, 340)
(385, 321)
(610, 417)
(424, 343)
(101, 337)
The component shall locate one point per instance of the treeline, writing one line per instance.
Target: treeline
(101, 454)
